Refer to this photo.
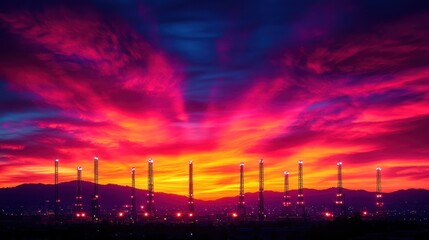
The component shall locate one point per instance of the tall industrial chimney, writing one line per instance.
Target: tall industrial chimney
(261, 211)
(150, 189)
(287, 204)
(241, 208)
(379, 196)
(191, 207)
(78, 205)
(339, 201)
(300, 207)
(95, 204)
(133, 195)
(57, 199)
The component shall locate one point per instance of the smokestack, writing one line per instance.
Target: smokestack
(241, 208)
(300, 207)
(57, 199)
(133, 195)
(379, 196)
(261, 211)
(339, 201)
(78, 205)
(150, 189)
(286, 198)
(191, 207)
(95, 204)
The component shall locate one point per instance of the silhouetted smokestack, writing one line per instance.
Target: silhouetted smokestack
(379, 196)
(95, 204)
(150, 189)
(133, 194)
(78, 204)
(339, 201)
(300, 207)
(57, 199)
(287, 204)
(241, 208)
(261, 211)
(191, 208)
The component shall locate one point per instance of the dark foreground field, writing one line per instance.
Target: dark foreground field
(349, 229)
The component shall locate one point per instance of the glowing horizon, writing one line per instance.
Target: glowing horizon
(217, 83)
(180, 184)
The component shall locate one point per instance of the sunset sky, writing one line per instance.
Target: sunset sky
(219, 83)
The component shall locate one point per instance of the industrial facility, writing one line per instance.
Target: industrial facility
(133, 213)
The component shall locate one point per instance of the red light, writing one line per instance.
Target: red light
(77, 214)
(234, 215)
(178, 214)
(121, 214)
(83, 214)
(146, 214)
(364, 213)
(328, 215)
(191, 214)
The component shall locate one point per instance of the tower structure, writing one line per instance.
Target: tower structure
(57, 199)
(379, 196)
(191, 208)
(241, 208)
(95, 204)
(287, 204)
(339, 200)
(261, 210)
(78, 205)
(300, 209)
(133, 195)
(150, 189)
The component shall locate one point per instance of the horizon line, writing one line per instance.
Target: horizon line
(214, 199)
